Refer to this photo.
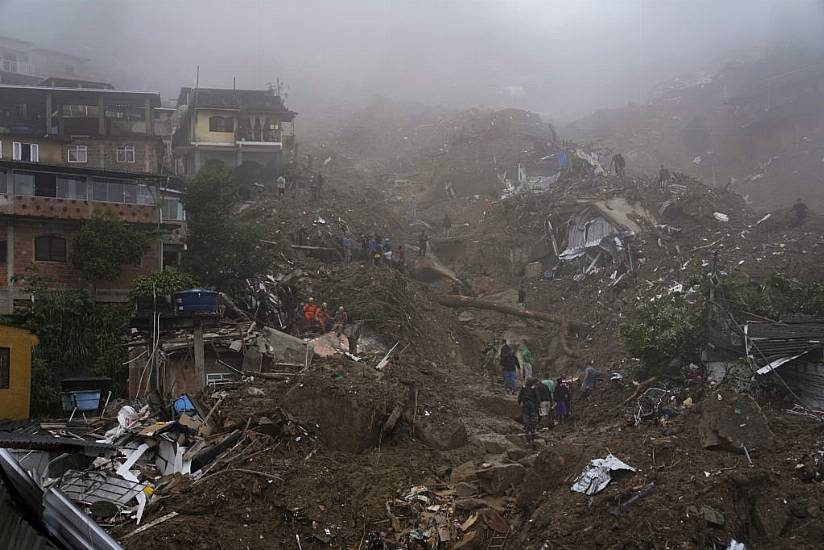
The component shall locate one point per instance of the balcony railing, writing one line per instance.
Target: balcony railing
(14, 66)
(266, 136)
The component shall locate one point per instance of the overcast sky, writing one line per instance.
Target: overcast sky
(560, 58)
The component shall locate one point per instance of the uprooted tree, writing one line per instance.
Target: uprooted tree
(221, 251)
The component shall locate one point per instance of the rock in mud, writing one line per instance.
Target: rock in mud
(493, 444)
(733, 422)
(443, 435)
(498, 477)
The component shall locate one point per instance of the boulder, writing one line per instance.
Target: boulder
(492, 443)
(497, 478)
(733, 421)
(464, 489)
(463, 472)
(533, 269)
(442, 435)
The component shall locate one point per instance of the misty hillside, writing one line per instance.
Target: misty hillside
(760, 123)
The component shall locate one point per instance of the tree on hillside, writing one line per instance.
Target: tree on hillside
(104, 244)
(221, 251)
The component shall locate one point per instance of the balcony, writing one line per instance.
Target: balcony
(258, 136)
(14, 66)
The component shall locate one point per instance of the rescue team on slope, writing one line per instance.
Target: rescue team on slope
(542, 401)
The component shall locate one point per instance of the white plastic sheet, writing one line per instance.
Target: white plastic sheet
(596, 476)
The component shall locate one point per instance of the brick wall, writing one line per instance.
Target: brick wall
(64, 274)
(102, 154)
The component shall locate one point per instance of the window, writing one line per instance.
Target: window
(221, 124)
(125, 153)
(77, 153)
(25, 151)
(110, 190)
(71, 188)
(5, 368)
(171, 209)
(49, 248)
(144, 195)
(3, 185)
(24, 184)
(3, 251)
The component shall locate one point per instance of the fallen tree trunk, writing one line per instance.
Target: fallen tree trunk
(453, 300)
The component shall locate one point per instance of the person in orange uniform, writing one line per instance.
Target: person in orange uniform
(310, 312)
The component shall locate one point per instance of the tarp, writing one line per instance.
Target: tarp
(596, 476)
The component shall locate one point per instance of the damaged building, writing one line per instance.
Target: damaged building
(67, 154)
(232, 127)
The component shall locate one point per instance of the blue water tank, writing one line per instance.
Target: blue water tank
(196, 301)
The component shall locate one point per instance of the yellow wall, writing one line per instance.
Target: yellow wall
(14, 401)
(50, 152)
(202, 132)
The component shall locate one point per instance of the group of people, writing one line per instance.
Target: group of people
(315, 185)
(318, 318)
(375, 249)
(542, 401)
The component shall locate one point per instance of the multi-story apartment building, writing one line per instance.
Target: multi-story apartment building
(67, 153)
(22, 62)
(232, 127)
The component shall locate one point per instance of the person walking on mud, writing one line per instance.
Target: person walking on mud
(664, 177)
(422, 241)
(530, 401)
(490, 368)
(447, 225)
(526, 363)
(509, 364)
(562, 399)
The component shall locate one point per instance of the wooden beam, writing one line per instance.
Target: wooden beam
(455, 301)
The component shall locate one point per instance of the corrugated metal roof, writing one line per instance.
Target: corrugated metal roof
(16, 440)
(15, 531)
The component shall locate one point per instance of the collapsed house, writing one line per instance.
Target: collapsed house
(600, 234)
(793, 348)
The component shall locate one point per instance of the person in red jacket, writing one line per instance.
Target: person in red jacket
(310, 311)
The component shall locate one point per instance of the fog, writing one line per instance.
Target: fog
(562, 59)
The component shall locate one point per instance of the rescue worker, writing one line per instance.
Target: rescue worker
(280, 183)
(341, 318)
(310, 312)
(322, 317)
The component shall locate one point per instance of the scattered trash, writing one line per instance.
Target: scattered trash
(646, 491)
(720, 216)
